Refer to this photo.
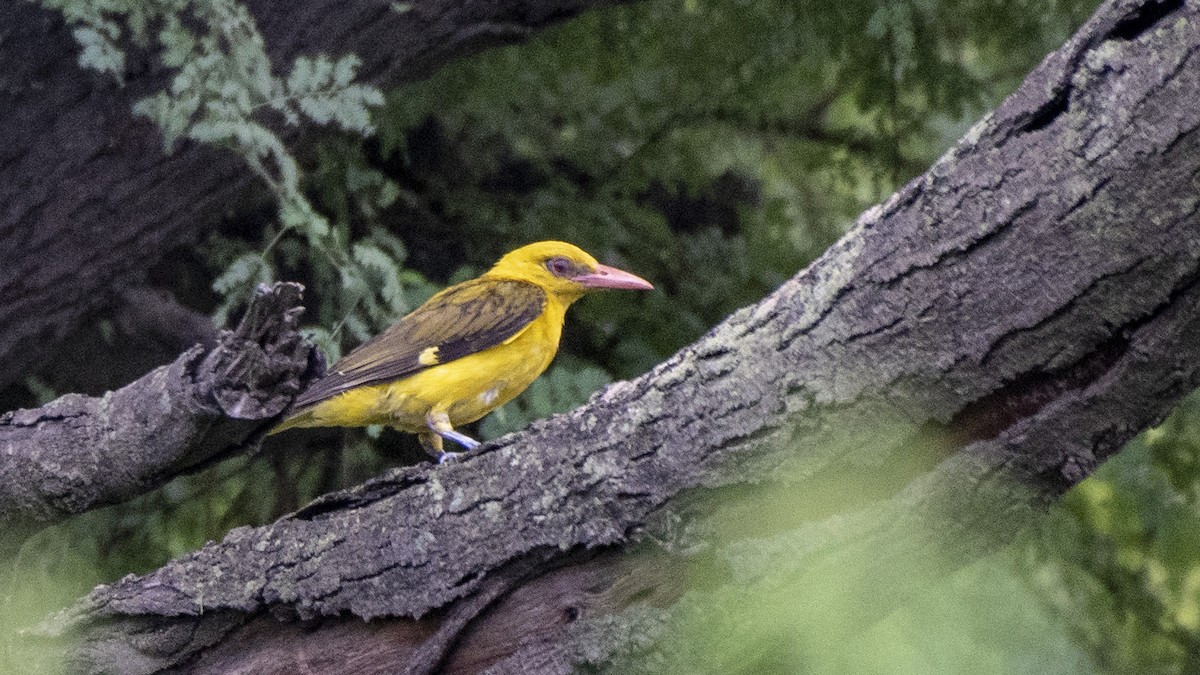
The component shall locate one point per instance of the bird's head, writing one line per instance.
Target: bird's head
(563, 270)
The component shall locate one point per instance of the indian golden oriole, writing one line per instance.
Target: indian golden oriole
(465, 352)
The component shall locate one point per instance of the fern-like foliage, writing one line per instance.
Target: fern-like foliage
(223, 86)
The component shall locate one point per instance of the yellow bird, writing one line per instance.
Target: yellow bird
(465, 352)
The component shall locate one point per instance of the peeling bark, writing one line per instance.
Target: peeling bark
(88, 200)
(971, 349)
(78, 452)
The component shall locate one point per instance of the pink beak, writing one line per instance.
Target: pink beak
(611, 277)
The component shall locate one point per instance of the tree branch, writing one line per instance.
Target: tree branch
(79, 453)
(150, 314)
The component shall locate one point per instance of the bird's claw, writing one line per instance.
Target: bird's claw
(444, 457)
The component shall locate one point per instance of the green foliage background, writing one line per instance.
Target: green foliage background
(714, 147)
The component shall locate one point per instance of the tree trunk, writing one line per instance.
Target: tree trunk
(88, 200)
(968, 351)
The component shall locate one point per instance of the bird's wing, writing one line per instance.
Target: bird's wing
(461, 320)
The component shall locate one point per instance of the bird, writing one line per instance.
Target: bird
(466, 351)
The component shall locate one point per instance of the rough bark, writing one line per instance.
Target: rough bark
(88, 200)
(968, 351)
(79, 452)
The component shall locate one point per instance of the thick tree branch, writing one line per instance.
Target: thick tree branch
(153, 315)
(88, 200)
(972, 348)
(78, 452)
(147, 328)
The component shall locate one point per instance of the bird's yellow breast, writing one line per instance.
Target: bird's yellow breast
(466, 389)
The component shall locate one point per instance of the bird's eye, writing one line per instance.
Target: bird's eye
(558, 266)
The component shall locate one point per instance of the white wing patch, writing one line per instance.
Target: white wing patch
(489, 396)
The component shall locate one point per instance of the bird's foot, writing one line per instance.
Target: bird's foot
(444, 457)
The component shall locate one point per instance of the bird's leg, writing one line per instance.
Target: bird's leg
(432, 444)
(439, 423)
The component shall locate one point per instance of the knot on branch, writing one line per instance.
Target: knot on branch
(256, 370)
